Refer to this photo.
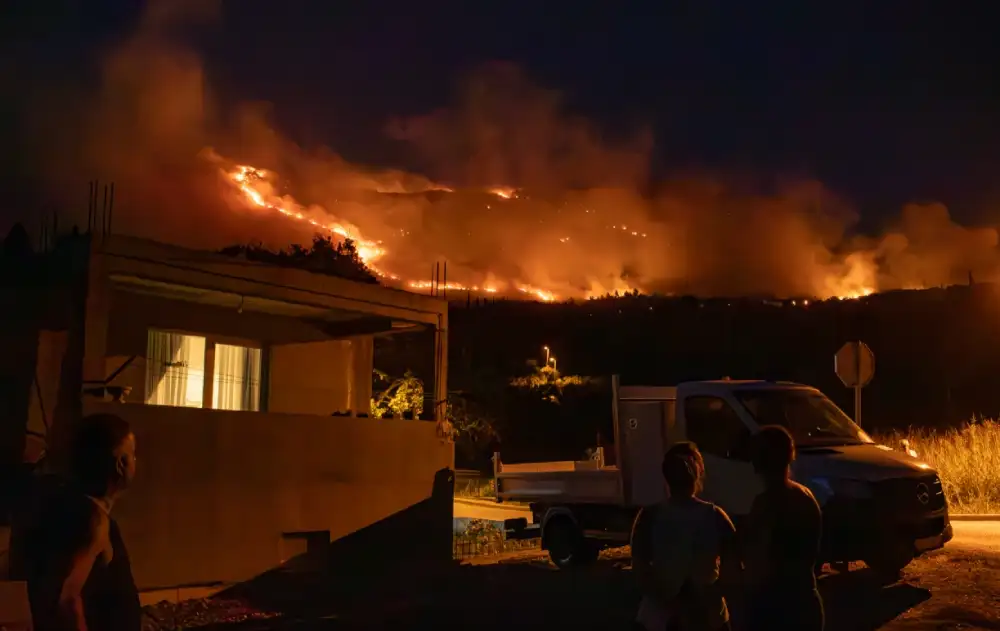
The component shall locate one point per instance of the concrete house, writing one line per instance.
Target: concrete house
(248, 387)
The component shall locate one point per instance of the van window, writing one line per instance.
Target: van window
(716, 428)
(811, 418)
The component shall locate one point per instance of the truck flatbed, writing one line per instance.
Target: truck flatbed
(585, 481)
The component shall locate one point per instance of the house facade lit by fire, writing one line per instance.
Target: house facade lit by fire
(248, 387)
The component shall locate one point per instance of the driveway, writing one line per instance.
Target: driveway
(954, 588)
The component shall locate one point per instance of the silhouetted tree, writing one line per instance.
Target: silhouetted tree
(339, 259)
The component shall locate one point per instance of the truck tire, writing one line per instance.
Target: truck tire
(567, 547)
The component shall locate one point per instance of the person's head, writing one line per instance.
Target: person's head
(683, 470)
(103, 456)
(773, 452)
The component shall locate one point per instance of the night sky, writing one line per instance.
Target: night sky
(885, 103)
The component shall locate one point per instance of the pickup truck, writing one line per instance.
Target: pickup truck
(880, 506)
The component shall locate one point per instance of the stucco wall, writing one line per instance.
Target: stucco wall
(321, 377)
(216, 489)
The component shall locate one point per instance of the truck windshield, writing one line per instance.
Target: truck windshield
(811, 418)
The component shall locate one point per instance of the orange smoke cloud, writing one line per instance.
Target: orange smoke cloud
(519, 197)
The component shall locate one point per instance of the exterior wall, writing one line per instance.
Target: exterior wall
(216, 489)
(321, 377)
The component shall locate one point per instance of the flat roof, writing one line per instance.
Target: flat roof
(148, 266)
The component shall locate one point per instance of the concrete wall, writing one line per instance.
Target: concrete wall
(217, 489)
(321, 377)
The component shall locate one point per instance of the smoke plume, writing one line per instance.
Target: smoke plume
(518, 194)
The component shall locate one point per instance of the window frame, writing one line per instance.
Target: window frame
(736, 450)
(210, 388)
(209, 366)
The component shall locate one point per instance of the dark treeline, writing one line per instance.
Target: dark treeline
(937, 355)
(937, 351)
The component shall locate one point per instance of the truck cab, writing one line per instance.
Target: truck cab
(879, 505)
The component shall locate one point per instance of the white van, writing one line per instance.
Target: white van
(879, 505)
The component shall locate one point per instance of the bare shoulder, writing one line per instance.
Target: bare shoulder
(723, 520)
(803, 496)
(801, 488)
(98, 525)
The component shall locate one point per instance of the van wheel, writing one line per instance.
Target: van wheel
(567, 547)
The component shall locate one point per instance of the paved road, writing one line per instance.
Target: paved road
(955, 588)
(977, 535)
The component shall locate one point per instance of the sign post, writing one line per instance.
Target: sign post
(854, 363)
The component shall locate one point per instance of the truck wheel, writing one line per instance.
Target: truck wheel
(567, 547)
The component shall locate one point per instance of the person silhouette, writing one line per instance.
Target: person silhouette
(680, 549)
(782, 542)
(66, 546)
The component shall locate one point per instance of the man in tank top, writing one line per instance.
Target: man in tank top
(66, 545)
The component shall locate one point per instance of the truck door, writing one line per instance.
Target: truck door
(711, 421)
(642, 430)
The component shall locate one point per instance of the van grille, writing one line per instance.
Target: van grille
(911, 495)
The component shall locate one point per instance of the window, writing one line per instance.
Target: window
(715, 427)
(236, 379)
(811, 418)
(175, 369)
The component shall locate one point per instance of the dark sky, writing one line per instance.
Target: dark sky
(885, 101)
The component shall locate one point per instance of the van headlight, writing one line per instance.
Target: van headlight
(825, 488)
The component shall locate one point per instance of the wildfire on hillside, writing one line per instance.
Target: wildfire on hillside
(541, 203)
(257, 190)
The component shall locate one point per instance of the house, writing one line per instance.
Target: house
(248, 387)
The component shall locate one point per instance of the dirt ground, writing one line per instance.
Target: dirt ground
(955, 588)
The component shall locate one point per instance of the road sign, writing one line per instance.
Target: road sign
(854, 363)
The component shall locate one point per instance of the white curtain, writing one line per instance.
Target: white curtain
(236, 382)
(175, 369)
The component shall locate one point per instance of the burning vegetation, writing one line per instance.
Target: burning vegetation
(520, 198)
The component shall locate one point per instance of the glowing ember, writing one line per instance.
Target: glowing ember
(541, 294)
(504, 191)
(426, 284)
(860, 293)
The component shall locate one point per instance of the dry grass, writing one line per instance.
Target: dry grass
(967, 458)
